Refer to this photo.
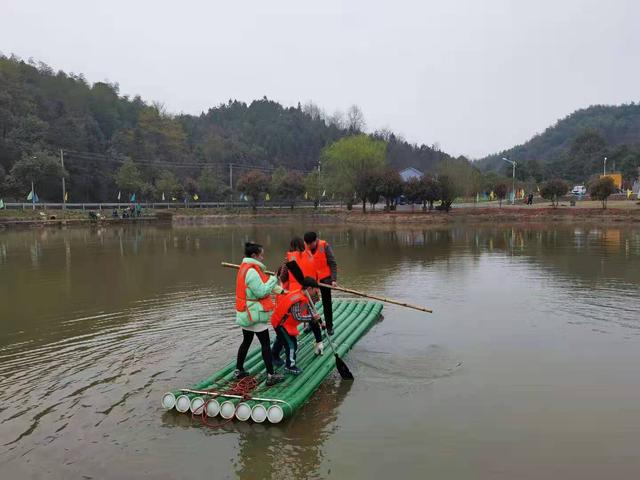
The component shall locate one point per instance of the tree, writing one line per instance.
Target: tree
(430, 190)
(277, 177)
(601, 189)
(374, 188)
(630, 166)
(41, 168)
(448, 192)
(351, 163)
(586, 154)
(500, 189)
(209, 185)
(168, 184)
(336, 120)
(291, 188)
(553, 190)
(314, 186)
(413, 190)
(390, 187)
(190, 187)
(466, 177)
(128, 178)
(355, 119)
(255, 185)
(313, 110)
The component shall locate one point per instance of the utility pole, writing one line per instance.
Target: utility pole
(513, 185)
(604, 167)
(319, 185)
(64, 189)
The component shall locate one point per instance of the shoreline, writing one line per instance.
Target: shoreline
(457, 216)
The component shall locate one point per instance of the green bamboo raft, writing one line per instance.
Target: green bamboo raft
(351, 319)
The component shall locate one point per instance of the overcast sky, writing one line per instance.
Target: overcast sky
(474, 76)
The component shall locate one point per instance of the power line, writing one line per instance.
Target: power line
(90, 156)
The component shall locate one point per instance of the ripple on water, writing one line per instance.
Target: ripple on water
(102, 361)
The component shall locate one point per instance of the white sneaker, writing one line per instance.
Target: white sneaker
(319, 348)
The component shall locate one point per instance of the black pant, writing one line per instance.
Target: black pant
(327, 307)
(317, 333)
(290, 344)
(247, 338)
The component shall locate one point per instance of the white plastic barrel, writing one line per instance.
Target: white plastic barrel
(275, 414)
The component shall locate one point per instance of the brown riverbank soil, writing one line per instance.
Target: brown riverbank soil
(470, 215)
(626, 212)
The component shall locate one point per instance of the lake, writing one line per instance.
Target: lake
(528, 368)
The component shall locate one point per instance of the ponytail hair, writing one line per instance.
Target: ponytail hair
(296, 245)
(251, 249)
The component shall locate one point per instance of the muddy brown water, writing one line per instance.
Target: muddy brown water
(529, 367)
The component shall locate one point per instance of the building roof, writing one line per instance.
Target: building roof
(410, 172)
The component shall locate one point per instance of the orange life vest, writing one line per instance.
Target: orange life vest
(307, 265)
(241, 289)
(282, 316)
(320, 260)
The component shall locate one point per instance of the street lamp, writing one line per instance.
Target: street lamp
(513, 186)
(604, 167)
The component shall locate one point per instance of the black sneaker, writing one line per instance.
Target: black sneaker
(293, 370)
(274, 378)
(329, 331)
(238, 374)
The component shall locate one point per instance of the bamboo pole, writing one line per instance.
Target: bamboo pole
(353, 292)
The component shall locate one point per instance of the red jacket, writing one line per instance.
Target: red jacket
(282, 315)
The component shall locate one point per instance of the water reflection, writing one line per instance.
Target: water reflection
(294, 450)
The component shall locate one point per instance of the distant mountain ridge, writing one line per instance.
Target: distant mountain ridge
(600, 130)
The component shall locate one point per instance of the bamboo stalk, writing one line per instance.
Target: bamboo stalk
(353, 292)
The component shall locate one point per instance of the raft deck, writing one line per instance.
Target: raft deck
(351, 320)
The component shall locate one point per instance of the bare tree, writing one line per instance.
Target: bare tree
(384, 133)
(313, 110)
(355, 119)
(337, 120)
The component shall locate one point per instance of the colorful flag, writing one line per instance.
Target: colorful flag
(629, 193)
(30, 196)
(477, 198)
(35, 197)
(267, 197)
(1, 204)
(491, 195)
(118, 195)
(66, 197)
(133, 198)
(195, 196)
(163, 196)
(324, 193)
(306, 195)
(174, 199)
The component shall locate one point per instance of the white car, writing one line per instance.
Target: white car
(579, 190)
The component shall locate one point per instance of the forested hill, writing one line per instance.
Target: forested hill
(43, 111)
(574, 148)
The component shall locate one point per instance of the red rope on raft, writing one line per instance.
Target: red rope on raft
(242, 387)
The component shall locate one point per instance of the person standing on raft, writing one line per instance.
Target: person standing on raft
(292, 309)
(326, 270)
(254, 307)
(299, 254)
